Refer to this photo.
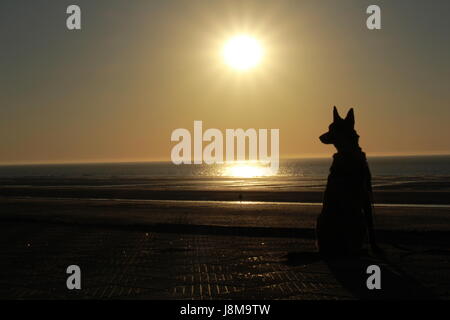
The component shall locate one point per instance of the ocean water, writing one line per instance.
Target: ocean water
(423, 172)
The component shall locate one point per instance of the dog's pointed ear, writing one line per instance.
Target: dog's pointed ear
(336, 115)
(350, 118)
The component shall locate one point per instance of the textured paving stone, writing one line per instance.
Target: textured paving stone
(118, 264)
(124, 264)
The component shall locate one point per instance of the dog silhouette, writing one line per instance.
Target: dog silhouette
(346, 219)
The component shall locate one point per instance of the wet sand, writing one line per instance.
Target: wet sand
(133, 192)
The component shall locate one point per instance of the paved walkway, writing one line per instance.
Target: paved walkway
(200, 263)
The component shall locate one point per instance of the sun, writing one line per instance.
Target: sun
(242, 52)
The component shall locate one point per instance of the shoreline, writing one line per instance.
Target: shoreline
(380, 205)
(234, 194)
(131, 212)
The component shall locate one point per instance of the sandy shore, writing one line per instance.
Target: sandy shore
(139, 192)
(209, 250)
(387, 190)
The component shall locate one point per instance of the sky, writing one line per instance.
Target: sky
(115, 90)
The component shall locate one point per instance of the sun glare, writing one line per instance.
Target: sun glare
(247, 171)
(242, 52)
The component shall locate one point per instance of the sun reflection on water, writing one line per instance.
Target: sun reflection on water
(247, 170)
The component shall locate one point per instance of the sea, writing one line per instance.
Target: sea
(394, 172)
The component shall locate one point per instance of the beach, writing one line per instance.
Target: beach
(198, 150)
(157, 231)
(178, 249)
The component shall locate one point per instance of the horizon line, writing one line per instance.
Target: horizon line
(311, 156)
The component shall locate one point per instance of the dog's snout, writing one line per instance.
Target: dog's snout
(325, 138)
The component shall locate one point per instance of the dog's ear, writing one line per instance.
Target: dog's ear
(336, 115)
(350, 118)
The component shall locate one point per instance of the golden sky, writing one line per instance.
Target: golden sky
(137, 70)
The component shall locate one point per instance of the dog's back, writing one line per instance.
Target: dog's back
(341, 226)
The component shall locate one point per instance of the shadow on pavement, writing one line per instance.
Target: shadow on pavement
(351, 273)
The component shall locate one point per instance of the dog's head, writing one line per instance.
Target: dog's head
(341, 132)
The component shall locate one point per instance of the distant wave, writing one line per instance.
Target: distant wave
(388, 173)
